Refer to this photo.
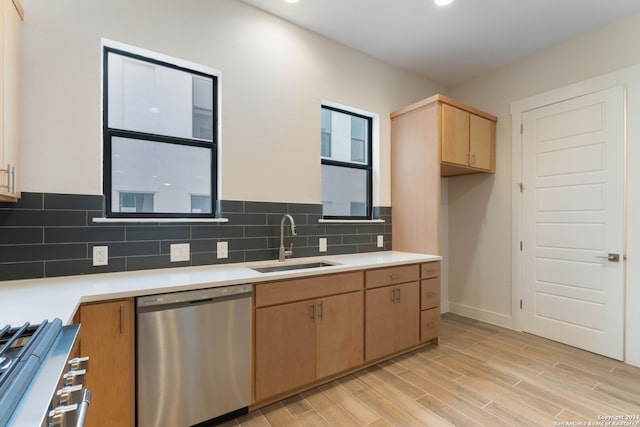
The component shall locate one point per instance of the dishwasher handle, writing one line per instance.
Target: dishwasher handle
(195, 297)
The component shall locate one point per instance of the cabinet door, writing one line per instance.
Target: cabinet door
(10, 100)
(339, 333)
(481, 143)
(107, 337)
(455, 135)
(407, 316)
(285, 348)
(380, 322)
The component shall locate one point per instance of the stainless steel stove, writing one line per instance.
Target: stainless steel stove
(39, 385)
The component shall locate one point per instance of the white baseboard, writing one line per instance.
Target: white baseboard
(492, 317)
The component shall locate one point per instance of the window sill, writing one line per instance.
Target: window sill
(158, 220)
(350, 221)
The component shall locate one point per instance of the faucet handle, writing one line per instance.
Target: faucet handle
(291, 248)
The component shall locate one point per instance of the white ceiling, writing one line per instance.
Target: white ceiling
(451, 44)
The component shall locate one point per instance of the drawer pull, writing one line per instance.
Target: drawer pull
(394, 277)
(432, 294)
(432, 324)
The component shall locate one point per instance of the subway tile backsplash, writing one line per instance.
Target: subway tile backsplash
(51, 235)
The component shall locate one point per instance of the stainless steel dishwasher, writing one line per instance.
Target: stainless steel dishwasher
(193, 356)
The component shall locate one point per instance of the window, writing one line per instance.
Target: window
(346, 164)
(160, 136)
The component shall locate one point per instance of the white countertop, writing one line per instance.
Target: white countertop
(34, 300)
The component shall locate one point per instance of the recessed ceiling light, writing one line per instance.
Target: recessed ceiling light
(442, 2)
(291, 1)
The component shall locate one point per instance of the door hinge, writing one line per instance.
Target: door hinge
(520, 304)
(521, 129)
(520, 245)
(521, 186)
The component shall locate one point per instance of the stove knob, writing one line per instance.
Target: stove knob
(63, 416)
(70, 394)
(78, 363)
(74, 377)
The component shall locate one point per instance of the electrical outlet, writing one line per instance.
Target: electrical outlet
(179, 252)
(100, 255)
(223, 250)
(323, 244)
(380, 241)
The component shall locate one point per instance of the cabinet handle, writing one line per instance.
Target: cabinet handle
(10, 171)
(121, 319)
(321, 314)
(432, 294)
(393, 296)
(399, 295)
(432, 324)
(313, 313)
(394, 277)
(13, 180)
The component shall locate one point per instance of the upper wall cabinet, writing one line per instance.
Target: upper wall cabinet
(11, 15)
(466, 136)
(467, 140)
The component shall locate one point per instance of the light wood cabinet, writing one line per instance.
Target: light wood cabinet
(433, 138)
(430, 302)
(467, 142)
(392, 311)
(285, 348)
(107, 337)
(11, 16)
(300, 342)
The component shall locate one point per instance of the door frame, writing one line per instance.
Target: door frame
(518, 108)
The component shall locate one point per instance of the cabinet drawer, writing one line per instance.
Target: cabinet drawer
(429, 324)
(430, 269)
(272, 293)
(391, 275)
(430, 293)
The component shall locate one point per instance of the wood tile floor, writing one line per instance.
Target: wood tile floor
(480, 375)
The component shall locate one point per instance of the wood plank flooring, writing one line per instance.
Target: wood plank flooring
(480, 375)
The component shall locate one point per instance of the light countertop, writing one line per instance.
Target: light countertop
(34, 300)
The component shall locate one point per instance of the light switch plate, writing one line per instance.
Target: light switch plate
(179, 252)
(222, 250)
(322, 242)
(100, 255)
(380, 241)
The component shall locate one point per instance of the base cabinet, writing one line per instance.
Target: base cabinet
(393, 321)
(298, 343)
(430, 302)
(107, 337)
(285, 348)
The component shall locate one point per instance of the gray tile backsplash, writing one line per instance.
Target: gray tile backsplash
(50, 235)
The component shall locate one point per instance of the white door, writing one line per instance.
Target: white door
(573, 204)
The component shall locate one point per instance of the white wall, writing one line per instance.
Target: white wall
(480, 206)
(274, 76)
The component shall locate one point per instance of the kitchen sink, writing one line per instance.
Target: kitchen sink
(286, 267)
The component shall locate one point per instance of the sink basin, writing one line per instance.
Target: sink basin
(285, 267)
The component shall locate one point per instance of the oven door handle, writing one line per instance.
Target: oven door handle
(84, 406)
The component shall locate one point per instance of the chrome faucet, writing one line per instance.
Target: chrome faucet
(284, 253)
